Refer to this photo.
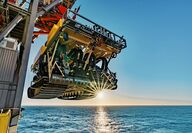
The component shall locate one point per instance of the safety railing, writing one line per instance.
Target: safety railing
(23, 4)
(89, 26)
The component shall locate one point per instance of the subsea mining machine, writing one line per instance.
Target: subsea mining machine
(71, 65)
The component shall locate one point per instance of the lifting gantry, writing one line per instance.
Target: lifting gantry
(71, 65)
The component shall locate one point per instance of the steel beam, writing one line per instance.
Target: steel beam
(10, 26)
(21, 10)
(49, 7)
(27, 47)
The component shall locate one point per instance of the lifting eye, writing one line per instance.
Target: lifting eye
(103, 63)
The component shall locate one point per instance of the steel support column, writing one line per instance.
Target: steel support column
(27, 47)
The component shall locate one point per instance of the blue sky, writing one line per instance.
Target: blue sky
(156, 67)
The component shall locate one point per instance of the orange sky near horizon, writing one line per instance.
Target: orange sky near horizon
(107, 98)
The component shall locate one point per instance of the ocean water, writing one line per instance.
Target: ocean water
(130, 119)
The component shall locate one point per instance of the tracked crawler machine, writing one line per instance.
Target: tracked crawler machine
(73, 63)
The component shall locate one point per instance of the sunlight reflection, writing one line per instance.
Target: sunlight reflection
(103, 123)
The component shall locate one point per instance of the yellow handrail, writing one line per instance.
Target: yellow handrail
(4, 121)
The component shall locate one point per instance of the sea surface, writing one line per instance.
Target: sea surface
(129, 119)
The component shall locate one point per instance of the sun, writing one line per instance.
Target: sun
(100, 95)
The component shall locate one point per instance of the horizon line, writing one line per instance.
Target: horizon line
(124, 105)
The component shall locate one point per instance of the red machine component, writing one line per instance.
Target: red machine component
(46, 22)
(12, 1)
